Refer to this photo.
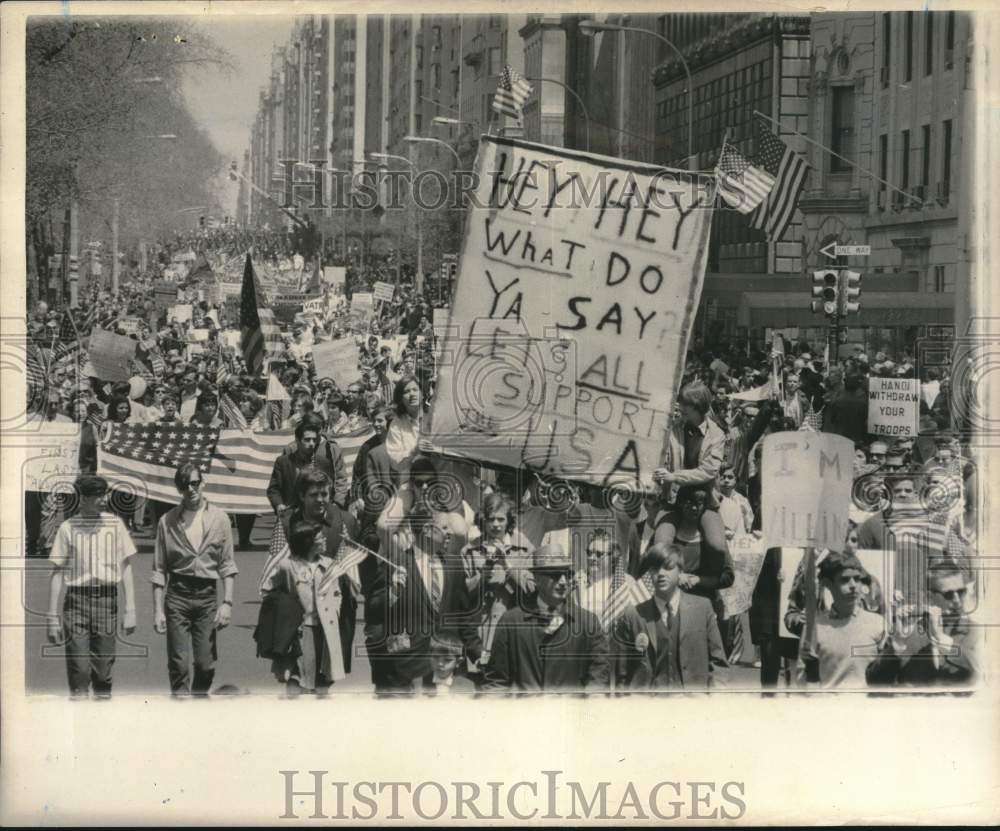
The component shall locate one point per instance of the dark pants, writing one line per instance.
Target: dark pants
(191, 604)
(244, 526)
(33, 503)
(90, 621)
(712, 529)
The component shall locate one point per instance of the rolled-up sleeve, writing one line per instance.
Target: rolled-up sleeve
(227, 559)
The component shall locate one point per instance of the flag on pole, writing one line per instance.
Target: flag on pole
(632, 592)
(789, 172)
(349, 556)
(742, 185)
(276, 552)
(512, 93)
(260, 334)
(231, 413)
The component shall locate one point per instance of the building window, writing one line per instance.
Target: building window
(436, 76)
(908, 49)
(886, 47)
(928, 43)
(938, 279)
(418, 88)
(494, 65)
(946, 160)
(842, 121)
(418, 123)
(925, 157)
(904, 166)
(436, 31)
(420, 57)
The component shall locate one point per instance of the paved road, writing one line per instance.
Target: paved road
(141, 664)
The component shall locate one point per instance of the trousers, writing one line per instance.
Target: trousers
(90, 622)
(190, 609)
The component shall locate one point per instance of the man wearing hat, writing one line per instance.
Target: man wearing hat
(545, 644)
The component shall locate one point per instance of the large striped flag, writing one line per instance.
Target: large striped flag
(789, 171)
(742, 185)
(237, 464)
(260, 334)
(146, 456)
(276, 552)
(349, 556)
(512, 92)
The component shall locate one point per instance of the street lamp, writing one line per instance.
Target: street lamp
(429, 140)
(575, 94)
(590, 27)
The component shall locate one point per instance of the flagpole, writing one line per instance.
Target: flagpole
(822, 146)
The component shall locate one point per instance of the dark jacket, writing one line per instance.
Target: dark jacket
(278, 622)
(328, 458)
(957, 667)
(524, 658)
(379, 481)
(701, 656)
(847, 416)
(413, 615)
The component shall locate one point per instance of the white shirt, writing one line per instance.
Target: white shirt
(194, 525)
(426, 563)
(92, 550)
(674, 603)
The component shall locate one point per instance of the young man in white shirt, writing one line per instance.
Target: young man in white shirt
(91, 554)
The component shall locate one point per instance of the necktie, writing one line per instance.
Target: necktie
(437, 580)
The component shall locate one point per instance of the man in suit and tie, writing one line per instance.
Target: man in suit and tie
(672, 640)
(424, 593)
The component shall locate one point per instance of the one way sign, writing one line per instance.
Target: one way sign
(833, 250)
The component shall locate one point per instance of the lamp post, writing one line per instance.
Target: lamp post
(575, 94)
(429, 140)
(589, 27)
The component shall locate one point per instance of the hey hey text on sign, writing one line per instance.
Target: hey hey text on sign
(580, 276)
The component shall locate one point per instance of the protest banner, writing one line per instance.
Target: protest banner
(893, 407)
(54, 463)
(747, 552)
(109, 355)
(314, 306)
(164, 294)
(806, 480)
(384, 291)
(288, 304)
(756, 394)
(337, 359)
(198, 335)
(231, 338)
(362, 308)
(130, 325)
(335, 276)
(575, 310)
(181, 312)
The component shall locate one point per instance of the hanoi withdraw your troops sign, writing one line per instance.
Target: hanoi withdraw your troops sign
(580, 276)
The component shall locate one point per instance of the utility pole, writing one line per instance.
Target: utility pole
(114, 246)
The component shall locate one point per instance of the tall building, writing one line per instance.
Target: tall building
(887, 96)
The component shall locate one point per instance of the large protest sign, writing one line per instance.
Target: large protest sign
(336, 359)
(384, 291)
(747, 552)
(577, 292)
(54, 464)
(362, 304)
(164, 294)
(893, 406)
(335, 276)
(130, 325)
(182, 313)
(109, 355)
(806, 482)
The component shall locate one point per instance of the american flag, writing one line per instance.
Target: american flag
(631, 592)
(231, 413)
(512, 92)
(260, 332)
(37, 374)
(276, 552)
(148, 455)
(349, 556)
(741, 185)
(789, 171)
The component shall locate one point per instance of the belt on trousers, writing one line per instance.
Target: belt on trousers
(190, 582)
(98, 588)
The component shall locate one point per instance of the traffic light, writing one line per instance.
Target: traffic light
(201, 222)
(850, 291)
(825, 291)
